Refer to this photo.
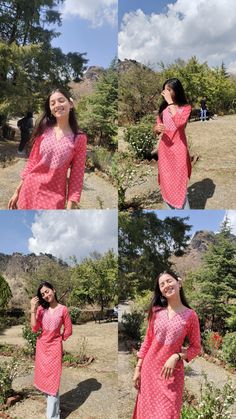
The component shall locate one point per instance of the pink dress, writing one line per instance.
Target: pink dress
(174, 165)
(48, 357)
(160, 398)
(45, 173)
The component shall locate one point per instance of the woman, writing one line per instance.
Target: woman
(174, 165)
(159, 374)
(49, 316)
(57, 146)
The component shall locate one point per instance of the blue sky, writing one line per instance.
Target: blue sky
(61, 233)
(209, 220)
(89, 29)
(154, 31)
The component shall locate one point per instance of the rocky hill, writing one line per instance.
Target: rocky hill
(195, 251)
(86, 86)
(15, 268)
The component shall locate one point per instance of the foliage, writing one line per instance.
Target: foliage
(95, 280)
(141, 138)
(30, 66)
(7, 373)
(212, 342)
(213, 287)
(102, 159)
(214, 402)
(125, 176)
(132, 323)
(5, 292)
(75, 314)
(142, 301)
(145, 246)
(229, 348)
(139, 91)
(30, 337)
(98, 111)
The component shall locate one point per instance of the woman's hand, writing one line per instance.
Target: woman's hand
(167, 96)
(12, 204)
(34, 302)
(169, 366)
(137, 378)
(159, 129)
(69, 205)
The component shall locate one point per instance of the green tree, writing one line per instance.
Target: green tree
(95, 281)
(145, 246)
(212, 288)
(98, 111)
(5, 293)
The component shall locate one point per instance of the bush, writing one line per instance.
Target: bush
(81, 356)
(31, 338)
(132, 323)
(102, 159)
(75, 314)
(214, 403)
(229, 348)
(212, 342)
(142, 302)
(7, 373)
(141, 138)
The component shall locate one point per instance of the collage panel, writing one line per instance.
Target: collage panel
(177, 106)
(58, 315)
(177, 314)
(58, 105)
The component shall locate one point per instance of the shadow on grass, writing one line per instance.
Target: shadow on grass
(200, 192)
(76, 397)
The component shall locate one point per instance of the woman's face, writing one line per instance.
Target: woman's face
(59, 105)
(47, 294)
(170, 90)
(169, 286)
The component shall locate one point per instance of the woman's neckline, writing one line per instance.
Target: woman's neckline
(52, 311)
(176, 312)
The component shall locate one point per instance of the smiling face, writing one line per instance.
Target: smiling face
(47, 294)
(59, 105)
(169, 286)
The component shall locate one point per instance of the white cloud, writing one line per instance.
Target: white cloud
(97, 12)
(231, 215)
(202, 28)
(74, 233)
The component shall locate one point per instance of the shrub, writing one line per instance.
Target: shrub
(229, 348)
(102, 159)
(7, 374)
(142, 302)
(132, 323)
(141, 138)
(31, 338)
(214, 403)
(81, 356)
(212, 342)
(75, 314)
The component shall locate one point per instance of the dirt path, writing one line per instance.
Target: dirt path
(98, 193)
(213, 176)
(86, 393)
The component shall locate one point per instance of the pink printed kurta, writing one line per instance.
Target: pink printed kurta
(48, 358)
(174, 165)
(45, 174)
(160, 398)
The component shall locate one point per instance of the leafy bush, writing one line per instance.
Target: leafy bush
(229, 348)
(75, 314)
(31, 338)
(142, 301)
(81, 356)
(132, 323)
(214, 403)
(212, 342)
(141, 138)
(7, 374)
(102, 159)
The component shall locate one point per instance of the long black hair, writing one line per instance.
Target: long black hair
(42, 302)
(159, 300)
(180, 98)
(48, 120)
